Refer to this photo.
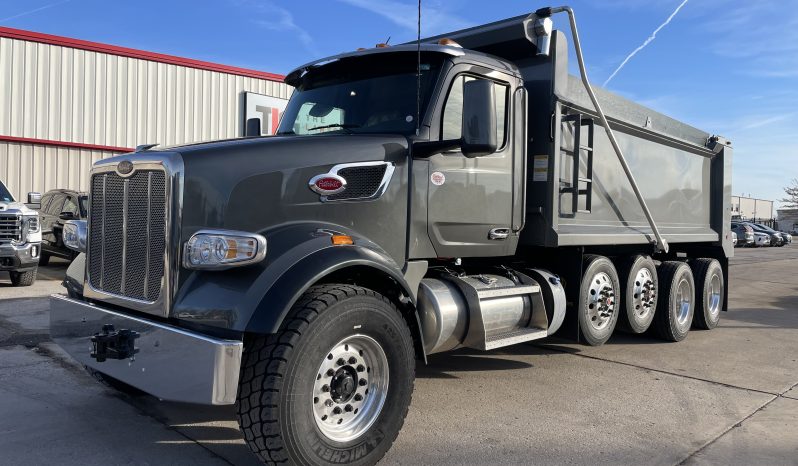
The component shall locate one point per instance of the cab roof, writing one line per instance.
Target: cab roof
(294, 76)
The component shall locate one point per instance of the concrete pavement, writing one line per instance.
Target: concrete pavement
(725, 396)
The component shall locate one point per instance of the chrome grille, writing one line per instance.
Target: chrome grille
(10, 228)
(127, 235)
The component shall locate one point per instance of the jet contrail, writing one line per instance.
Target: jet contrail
(26, 13)
(647, 41)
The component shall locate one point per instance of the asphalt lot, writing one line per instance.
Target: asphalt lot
(727, 396)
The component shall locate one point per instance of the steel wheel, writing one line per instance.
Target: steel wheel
(601, 301)
(684, 297)
(350, 389)
(598, 305)
(714, 295)
(676, 303)
(644, 295)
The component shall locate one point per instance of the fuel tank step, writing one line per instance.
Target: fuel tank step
(514, 336)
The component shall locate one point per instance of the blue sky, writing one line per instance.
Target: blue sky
(726, 66)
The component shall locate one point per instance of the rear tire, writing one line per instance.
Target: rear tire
(710, 283)
(26, 278)
(639, 296)
(676, 303)
(598, 306)
(292, 397)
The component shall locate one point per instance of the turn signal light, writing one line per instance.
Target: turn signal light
(340, 240)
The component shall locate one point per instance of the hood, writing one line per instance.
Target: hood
(16, 208)
(251, 184)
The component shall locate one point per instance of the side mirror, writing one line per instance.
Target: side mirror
(479, 118)
(66, 215)
(253, 128)
(35, 199)
(74, 235)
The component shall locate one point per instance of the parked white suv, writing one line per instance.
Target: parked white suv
(20, 238)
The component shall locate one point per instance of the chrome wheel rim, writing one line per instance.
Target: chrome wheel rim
(714, 295)
(683, 301)
(350, 388)
(600, 301)
(643, 294)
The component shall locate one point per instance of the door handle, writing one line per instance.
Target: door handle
(499, 233)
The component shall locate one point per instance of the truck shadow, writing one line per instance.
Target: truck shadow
(446, 365)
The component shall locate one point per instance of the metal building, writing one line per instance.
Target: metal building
(749, 208)
(65, 103)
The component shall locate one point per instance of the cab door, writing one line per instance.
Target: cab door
(470, 200)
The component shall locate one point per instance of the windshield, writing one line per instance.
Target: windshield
(5, 196)
(372, 94)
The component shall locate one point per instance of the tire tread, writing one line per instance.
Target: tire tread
(268, 355)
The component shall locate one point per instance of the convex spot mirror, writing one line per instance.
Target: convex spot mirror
(479, 118)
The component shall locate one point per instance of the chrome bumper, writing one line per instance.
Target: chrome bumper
(19, 257)
(171, 364)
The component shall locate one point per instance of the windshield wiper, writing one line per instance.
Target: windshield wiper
(344, 126)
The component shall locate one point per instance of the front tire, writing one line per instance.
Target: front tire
(333, 385)
(709, 282)
(598, 304)
(26, 278)
(676, 303)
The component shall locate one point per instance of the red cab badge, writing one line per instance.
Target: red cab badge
(327, 184)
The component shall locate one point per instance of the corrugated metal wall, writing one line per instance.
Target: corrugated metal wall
(60, 93)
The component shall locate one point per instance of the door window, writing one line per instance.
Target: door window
(453, 110)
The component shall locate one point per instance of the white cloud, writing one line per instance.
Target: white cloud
(277, 18)
(435, 19)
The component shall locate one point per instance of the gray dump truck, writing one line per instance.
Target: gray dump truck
(20, 238)
(462, 191)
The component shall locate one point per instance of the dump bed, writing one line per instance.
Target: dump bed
(583, 197)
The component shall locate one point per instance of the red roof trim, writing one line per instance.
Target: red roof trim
(75, 145)
(134, 53)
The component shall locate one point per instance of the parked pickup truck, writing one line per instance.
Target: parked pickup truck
(463, 191)
(20, 238)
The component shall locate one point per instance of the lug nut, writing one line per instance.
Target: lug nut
(348, 408)
(361, 368)
(340, 361)
(337, 410)
(352, 360)
(362, 382)
(330, 372)
(328, 403)
(325, 388)
(358, 397)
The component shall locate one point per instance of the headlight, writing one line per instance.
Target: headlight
(222, 249)
(74, 235)
(30, 229)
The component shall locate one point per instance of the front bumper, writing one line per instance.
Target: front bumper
(171, 364)
(19, 257)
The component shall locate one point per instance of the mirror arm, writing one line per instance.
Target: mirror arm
(425, 149)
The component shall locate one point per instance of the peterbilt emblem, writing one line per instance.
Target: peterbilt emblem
(124, 167)
(327, 184)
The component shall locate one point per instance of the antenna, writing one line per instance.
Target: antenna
(418, 73)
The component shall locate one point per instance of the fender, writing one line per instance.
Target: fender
(278, 300)
(257, 298)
